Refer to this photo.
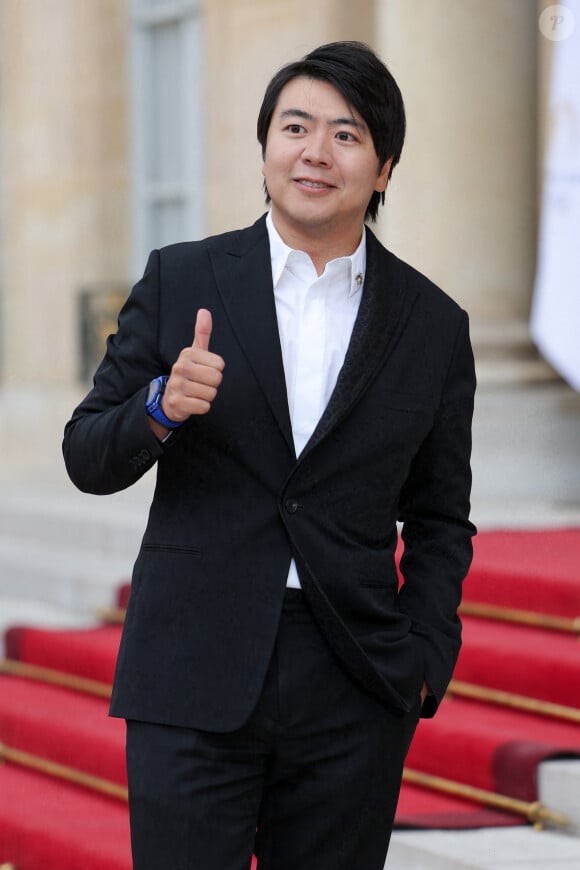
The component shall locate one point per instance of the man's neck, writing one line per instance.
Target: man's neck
(320, 243)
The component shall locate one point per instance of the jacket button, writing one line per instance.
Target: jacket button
(291, 506)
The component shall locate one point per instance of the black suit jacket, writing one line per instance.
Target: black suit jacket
(233, 504)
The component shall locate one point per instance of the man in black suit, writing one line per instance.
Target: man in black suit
(272, 669)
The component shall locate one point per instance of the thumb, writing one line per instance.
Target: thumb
(203, 325)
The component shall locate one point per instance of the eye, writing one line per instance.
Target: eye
(346, 136)
(296, 129)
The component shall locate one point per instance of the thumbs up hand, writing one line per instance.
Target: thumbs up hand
(203, 326)
(196, 375)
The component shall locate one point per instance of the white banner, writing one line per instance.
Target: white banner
(555, 320)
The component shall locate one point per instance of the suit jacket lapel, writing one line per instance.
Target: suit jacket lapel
(385, 305)
(243, 272)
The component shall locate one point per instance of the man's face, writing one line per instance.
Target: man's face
(320, 163)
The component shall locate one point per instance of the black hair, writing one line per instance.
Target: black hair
(366, 84)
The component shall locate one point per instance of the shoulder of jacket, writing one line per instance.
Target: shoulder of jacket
(429, 290)
(430, 293)
(230, 240)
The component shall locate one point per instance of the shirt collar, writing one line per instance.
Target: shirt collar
(280, 251)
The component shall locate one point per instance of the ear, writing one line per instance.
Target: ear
(383, 176)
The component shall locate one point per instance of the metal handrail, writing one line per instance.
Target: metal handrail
(61, 771)
(520, 617)
(55, 678)
(515, 702)
(534, 811)
(112, 614)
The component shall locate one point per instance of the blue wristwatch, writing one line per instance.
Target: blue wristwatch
(153, 403)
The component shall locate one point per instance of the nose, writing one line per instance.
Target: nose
(317, 151)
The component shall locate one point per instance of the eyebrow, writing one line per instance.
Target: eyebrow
(337, 122)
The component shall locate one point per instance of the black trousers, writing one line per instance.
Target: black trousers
(311, 781)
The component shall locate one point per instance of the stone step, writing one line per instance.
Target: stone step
(503, 848)
(64, 516)
(559, 788)
(80, 581)
(37, 614)
(66, 548)
(525, 453)
(505, 355)
(520, 848)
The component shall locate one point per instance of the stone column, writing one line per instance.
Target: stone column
(462, 205)
(63, 73)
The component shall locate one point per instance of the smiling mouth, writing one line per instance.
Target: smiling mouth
(314, 185)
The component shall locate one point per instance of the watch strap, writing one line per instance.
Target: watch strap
(153, 406)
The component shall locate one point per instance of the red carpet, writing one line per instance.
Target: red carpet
(528, 661)
(67, 727)
(537, 571)
(47, 823)
(91, 653)
(422, 808)
(492, 747)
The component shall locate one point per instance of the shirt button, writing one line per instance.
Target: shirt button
(291, 506)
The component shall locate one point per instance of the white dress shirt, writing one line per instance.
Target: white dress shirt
(315, 320)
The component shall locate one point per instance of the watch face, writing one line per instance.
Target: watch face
(153, 388)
